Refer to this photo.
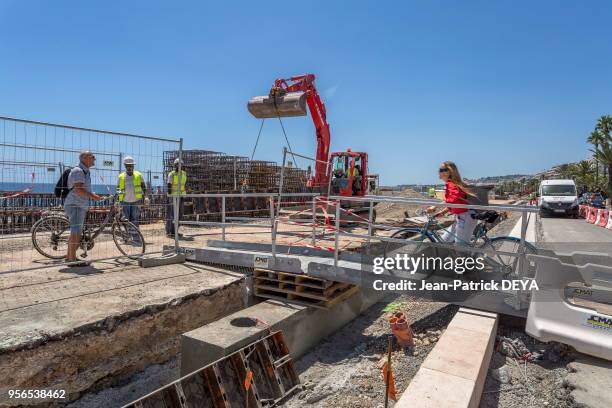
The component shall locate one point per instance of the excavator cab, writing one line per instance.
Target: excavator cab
(349, 173)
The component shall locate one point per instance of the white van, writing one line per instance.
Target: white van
(558, 197)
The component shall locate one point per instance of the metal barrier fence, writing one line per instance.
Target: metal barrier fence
(33, 156)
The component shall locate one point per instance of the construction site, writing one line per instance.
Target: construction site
(260, 285)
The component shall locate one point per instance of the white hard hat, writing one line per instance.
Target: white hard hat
(177, 161)
(129, 160)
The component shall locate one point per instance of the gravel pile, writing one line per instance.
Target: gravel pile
(397, 212)
(345, 369)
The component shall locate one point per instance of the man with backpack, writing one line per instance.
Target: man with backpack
(78, 184)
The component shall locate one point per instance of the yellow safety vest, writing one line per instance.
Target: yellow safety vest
(137, 185)
(175, 182)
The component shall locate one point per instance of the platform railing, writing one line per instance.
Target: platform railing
(371, 200)
(233, 221)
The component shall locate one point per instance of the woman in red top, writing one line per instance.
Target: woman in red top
(456, 192)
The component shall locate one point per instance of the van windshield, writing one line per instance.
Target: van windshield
(559, 190)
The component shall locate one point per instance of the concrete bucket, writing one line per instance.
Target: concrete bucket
(290, 104)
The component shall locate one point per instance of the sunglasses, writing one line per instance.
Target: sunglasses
(442, 170)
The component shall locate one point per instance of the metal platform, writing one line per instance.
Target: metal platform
(352, 269)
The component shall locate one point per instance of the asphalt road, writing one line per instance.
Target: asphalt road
(564, 233)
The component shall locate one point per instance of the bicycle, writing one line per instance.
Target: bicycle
(50, 234)
(505, 262)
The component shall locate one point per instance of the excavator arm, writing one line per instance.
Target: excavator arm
(286, 99)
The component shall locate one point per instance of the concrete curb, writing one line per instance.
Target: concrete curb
(454, 372)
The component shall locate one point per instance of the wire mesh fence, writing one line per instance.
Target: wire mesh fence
(210, 172)
(33, 156)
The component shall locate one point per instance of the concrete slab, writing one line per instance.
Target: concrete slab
(459, 352)
(160, 260)
(465, 320)
(303, 328)
(453, 374)
(591, 382)
(104, 322)
(435, 389)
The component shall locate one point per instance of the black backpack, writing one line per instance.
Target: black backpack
(61, 187)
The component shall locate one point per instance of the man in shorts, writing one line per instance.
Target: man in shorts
(77, 202)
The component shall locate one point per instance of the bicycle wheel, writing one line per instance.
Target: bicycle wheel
(508, 263)
(128, 239)
(50, 236)
(405, 234)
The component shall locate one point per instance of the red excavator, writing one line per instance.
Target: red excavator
(341, 173)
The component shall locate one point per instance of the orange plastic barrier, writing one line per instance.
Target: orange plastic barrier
(603, 218)
(591, 215)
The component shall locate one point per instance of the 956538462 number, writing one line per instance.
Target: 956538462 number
(37, 394)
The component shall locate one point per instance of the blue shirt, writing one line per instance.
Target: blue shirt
(79, 174)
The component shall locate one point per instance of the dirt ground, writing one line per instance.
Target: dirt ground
(537, 384)
(394, 212)
(344, 371)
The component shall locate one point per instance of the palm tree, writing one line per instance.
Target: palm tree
(583, 170)
(604, 155)
(596, 138)
(604, 126)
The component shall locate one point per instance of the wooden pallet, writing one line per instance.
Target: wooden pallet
(300, 289)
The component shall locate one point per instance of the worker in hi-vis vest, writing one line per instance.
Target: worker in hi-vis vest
(176, 188)
(131, 190)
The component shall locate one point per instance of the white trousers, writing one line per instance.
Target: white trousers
(460, 232)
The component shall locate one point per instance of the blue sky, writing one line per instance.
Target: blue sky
(498, 87)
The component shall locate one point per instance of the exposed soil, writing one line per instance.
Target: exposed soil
(536, 384)
(345, 369)
(393, 212)
(153, 377)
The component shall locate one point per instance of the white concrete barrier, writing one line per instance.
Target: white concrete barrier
(530, 235)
